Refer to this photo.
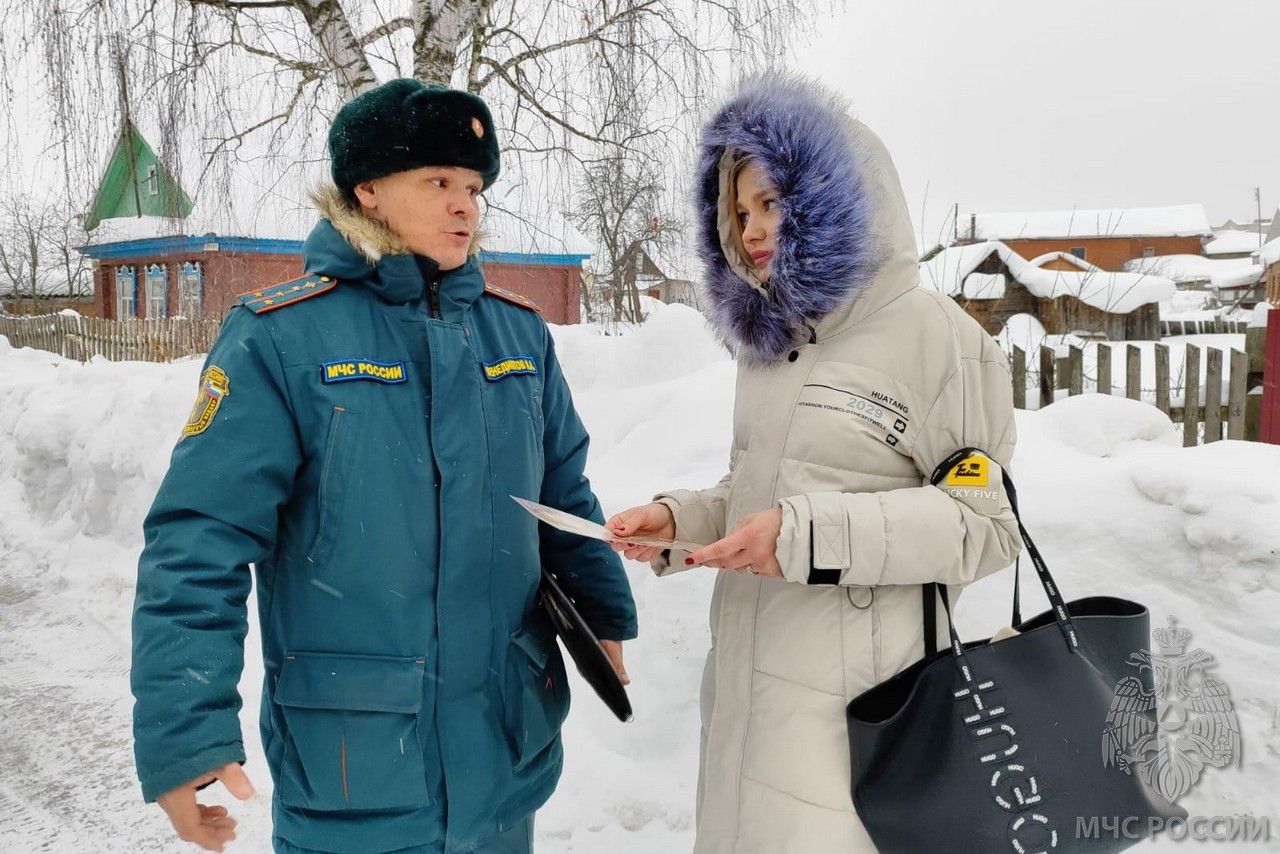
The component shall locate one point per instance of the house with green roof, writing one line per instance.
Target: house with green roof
(156, 254)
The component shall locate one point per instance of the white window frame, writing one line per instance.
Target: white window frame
(157, 303)
(153, 181)
(191, 289)
(126, 298)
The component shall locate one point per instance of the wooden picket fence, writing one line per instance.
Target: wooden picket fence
(1214, 326)
(76, 337)
(1169, 395)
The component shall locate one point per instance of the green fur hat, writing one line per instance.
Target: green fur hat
(406, 124)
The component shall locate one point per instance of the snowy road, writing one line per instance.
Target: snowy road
(1115, 504)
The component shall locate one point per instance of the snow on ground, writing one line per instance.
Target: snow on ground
(1114, 502)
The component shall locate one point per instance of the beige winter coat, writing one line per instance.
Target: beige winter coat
(841, 436)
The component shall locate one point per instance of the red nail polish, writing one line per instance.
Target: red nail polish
(688, 561)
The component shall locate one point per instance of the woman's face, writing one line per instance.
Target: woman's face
(434, 210)
(759, 213)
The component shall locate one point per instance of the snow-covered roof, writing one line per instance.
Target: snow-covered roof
(1074, 260)
(949, 273)
(1232, 242)
(946, 271)
(1270, 253)
(1173, 221)
(272, 221)
(1196, 269)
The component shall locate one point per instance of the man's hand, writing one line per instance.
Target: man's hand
(613, 649)
(208, 827)
(647, 520)
(752, 547)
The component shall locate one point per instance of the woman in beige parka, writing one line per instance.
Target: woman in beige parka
(853, 384)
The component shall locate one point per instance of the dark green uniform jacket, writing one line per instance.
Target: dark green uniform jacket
(357, 435)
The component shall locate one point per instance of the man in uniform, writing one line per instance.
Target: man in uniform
(357, 435)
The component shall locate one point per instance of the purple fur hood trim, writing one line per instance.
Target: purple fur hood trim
(825, 252)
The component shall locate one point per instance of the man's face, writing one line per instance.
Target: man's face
(434, 209)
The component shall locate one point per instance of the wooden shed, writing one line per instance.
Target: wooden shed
(1064, 293)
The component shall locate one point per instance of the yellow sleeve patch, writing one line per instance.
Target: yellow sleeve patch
(214, 387)
(972, 471)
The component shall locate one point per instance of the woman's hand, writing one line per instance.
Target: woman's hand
(752, 547)
(647, 520)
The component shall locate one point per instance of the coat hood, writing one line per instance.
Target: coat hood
(352, 246)
(844, 231)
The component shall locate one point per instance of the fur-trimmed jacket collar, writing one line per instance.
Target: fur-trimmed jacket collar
(353, 247)
(366, 235)
(840, 218)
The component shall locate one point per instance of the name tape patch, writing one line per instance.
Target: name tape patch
(508, 365)
(971, 471)
(357, 369)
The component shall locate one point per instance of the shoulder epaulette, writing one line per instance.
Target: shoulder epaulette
(514, 298)
(286, 293)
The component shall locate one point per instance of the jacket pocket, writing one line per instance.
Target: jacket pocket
(536, 695)
(335, 471)
(351, 740)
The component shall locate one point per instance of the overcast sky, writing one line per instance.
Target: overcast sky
(1006, 105)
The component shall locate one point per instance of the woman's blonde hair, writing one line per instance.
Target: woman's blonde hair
(731, 201)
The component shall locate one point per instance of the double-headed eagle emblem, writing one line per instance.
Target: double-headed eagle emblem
(1185, 721)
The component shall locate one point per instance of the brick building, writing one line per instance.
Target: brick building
(156, 254)
(202, 276)
(1105, 238)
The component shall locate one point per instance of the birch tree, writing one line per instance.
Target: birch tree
(254, 83)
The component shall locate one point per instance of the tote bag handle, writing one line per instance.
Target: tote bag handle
(931, 590)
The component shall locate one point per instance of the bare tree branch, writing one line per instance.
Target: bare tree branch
(381, 31)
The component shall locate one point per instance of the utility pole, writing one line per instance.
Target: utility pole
(1257, 197)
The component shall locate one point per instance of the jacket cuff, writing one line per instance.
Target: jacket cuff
(156, 783)
(832, 538)
(691, 517)
(615, 630)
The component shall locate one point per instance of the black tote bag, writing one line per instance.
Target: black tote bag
(998, 747)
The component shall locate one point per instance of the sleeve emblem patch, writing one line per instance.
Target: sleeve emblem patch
(214, 387)
(971, 471)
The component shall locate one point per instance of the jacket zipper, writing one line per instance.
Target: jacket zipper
(433, 295)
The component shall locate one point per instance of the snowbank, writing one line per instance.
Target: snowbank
(1257, 317)
(1114, 502)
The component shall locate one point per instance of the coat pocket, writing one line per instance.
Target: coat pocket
(536, 695)
(335, 470)
(351, 740)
